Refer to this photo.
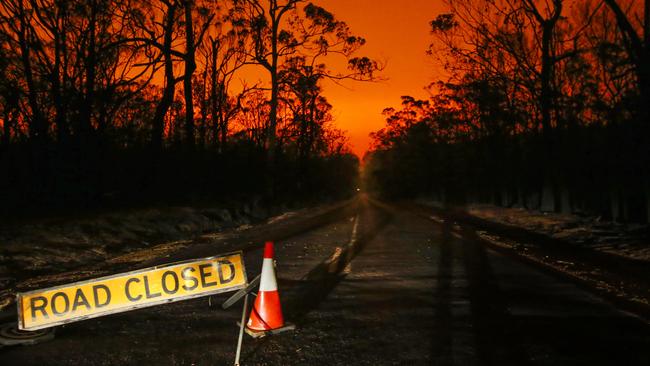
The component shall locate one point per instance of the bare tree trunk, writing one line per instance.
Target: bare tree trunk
(275, 91)
(647, 202)
(311, 127)
(565, 201)
(224, 132)
(638, 48)
(615, 204)
(643, 70)
(547, 198)
(204, 106)
(170, 84)
(190, 66)
(90, 65)
(548, 24)
(60, 110)
(271, 131)
(37, 126)
(644, 65)
(6, 129)
(273, 114)
(545, 77)
(213, 94)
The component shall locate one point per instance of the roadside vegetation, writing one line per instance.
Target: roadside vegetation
(138, 102)
(545, 105)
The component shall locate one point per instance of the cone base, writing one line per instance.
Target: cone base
(263, 333)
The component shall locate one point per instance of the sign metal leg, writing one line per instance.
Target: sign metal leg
(241, 330)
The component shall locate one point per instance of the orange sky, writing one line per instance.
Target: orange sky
(397, 32)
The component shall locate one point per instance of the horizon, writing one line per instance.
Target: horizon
(403, 46)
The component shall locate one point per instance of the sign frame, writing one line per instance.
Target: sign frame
(21, 295)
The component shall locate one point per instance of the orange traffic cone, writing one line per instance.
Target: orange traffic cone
(266, 316)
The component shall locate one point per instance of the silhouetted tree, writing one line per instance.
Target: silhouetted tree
(280, 30)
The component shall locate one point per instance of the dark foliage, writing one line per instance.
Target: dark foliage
(124, 102)
(546, 108)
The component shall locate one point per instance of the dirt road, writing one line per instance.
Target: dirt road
(381, 287)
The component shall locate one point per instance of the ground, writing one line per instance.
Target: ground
(375, 285)
(627, 240)
(609, 258)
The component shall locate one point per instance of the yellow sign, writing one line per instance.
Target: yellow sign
(133, 290)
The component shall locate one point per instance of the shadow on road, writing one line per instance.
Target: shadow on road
(496, 341)
(442, 341)
(316, 285)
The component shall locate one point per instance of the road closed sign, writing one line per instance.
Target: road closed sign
(133, 290)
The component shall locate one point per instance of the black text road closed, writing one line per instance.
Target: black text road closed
(123, 292)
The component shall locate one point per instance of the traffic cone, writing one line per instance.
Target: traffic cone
(266, 316)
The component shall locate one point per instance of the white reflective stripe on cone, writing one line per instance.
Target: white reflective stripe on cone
(268, 282)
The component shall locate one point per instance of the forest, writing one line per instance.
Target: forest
(543, 105)
(128, 102)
